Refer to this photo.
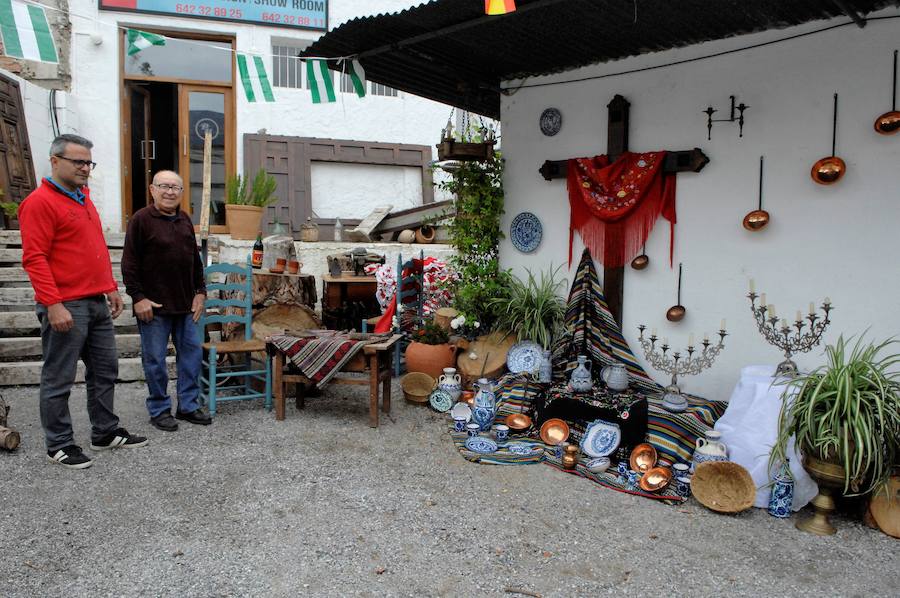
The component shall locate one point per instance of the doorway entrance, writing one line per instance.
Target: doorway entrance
(167, 109)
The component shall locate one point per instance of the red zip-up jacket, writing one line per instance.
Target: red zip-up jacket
(63, 248)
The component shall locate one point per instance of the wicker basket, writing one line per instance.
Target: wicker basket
(723, 486)
(417, 386)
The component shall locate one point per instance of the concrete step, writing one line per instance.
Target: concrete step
(14, 237)
(27, 320)
(29, 347)
(17, 274)
(14, 256)
(24, 296)
(29, 372)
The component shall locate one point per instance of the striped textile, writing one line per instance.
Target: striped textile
(319, 358)
(502, 456)
(674, 435)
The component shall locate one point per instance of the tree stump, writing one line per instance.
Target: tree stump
(9, 439)
(283, 289)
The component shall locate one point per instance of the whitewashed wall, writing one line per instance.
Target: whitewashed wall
(840, 241)
(404, 119)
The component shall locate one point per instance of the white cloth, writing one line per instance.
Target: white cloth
(749, 428)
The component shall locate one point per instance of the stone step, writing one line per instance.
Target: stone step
(29, 347)
(14, 256)
(14, 237)
(24, 296)
(29, 372)
(27, 320)
(17, 274)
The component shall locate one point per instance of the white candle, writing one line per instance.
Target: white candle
(752, 286)
(812, 308)
(784, 324)
(762, 300)
(771, 310)
(691, 340)
(706, 336)
(799, 317)
(665, 341)
(722, 324)
(827, 301)
(653, 332)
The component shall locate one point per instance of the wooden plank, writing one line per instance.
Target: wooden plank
(413, 217)
(364, 229)
(207, 184)
(14, 237)
(29, 372)
(29, 347)
(681, 161)
(25, 296)
(27, 320)
(14, 256)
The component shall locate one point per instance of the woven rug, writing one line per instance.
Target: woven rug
(322, 356)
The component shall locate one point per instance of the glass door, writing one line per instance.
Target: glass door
(203, 108)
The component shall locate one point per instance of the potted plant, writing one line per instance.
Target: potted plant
(533, 310)
(244, 204)
(845, 417)
(10, 214)
(429, 350)
(468, 146)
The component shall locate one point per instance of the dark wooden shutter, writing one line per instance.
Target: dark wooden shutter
(16, 166)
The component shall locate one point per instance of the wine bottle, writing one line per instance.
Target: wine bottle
(257, 256)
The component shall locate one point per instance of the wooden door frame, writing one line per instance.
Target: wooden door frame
(125, 110)
(184, 123)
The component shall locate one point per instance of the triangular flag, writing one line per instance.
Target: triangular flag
(255, 81)
(139, 40)
(321, 84)
(499, 7)
(358, 78)
(26, 33)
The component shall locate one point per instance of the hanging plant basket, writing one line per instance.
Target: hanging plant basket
(449, 149)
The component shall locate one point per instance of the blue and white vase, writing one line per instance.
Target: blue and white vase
(580, 379)
(622, 470)
(710, 448)
(545, 372)
(451, 383)
(782, 492)
(485, 405)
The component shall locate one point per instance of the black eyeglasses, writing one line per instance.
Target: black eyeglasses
(172, 188)
(79, 163)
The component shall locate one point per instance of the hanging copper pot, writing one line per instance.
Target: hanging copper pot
(676, 312)
(889, 122)
(758, 218)
(642, 261)
(830, 169)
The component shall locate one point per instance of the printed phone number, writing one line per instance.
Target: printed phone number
(209, 11)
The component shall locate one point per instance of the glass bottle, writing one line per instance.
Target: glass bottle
(256, 259)
(338, 230)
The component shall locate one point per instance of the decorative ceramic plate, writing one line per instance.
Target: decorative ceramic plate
(520, 448)
(440, 400)
(598, 465)
(525, 356)
(526, 232)
(551, 121)
(601, 438)
(461, 411)
(554, 431)
(480, 444)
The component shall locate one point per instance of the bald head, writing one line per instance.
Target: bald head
(167, 174)
(166, 191)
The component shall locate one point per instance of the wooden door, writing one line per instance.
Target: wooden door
(16, 167)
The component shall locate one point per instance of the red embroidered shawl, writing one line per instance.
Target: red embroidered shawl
(614, 206)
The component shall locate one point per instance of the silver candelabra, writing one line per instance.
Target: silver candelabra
(798, 337)
(679, 363)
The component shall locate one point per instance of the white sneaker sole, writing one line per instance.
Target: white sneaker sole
(69, 465)
(118, 442)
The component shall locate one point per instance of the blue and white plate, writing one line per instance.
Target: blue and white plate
(525, 356)
(601, 438)
(440, 400)
(461, 411)
(526, 232)
(521, 448)
(480, 444)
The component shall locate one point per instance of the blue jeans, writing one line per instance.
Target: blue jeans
(188, 356)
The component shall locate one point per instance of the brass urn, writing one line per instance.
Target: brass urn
(829, 476)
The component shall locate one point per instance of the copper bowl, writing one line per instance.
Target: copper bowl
(756, 220)
(675, 313)
(888, 123)
(655, 479)
(640, 262)
(468, 397)
(643, 457)
(828, 171)
(554, 431)
(518, 422)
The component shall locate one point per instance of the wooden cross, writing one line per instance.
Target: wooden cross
(616, 144)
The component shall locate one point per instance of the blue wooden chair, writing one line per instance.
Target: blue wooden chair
(237, 295)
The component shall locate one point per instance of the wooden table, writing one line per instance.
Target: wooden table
(337, 291)
(374, 358)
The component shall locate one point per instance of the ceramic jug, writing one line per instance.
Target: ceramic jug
(710, 448)
(615, 376)
(451, 383)
(485, 405)
(782, 496)
(545, 372)
(580, 380)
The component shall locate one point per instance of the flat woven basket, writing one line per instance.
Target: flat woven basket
(723, 486)
(417, 386)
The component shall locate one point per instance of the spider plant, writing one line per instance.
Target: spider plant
(847, 412)
(533, 310)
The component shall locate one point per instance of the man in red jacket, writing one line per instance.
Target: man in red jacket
(65, 255)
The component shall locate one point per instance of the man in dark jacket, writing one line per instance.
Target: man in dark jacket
(163, 274)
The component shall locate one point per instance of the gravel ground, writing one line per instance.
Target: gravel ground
(321, 504)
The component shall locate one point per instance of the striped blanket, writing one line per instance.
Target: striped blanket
(322, 356)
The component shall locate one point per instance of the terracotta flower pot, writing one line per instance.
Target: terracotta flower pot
(430, 359)
(243, 221)
(425, 234)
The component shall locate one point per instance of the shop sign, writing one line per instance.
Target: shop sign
(303, 14)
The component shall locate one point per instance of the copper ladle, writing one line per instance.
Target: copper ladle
(676, 312)
(830, 169)
(889, 122)
(641, 261)
(758, 218)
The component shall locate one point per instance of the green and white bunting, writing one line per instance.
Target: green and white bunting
(358, 78)
(320, 81)
(141, 40)
(26, 33)
(254, 79)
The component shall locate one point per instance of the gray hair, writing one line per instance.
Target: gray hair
(59, 144)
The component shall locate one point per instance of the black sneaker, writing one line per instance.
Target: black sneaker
(118, 439)
(71, 457)
(198, 417)
(165, 422)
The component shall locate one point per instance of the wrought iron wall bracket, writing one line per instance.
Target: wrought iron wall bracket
(739, 117)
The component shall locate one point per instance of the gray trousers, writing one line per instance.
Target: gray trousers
(93, 340)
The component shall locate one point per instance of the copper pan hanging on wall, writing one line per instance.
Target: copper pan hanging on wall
(642, 261)
(830, 169)
(676, 312)
(889, 122)
(758, 218)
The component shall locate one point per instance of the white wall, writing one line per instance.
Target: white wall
(839, 241)
(95, 72)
